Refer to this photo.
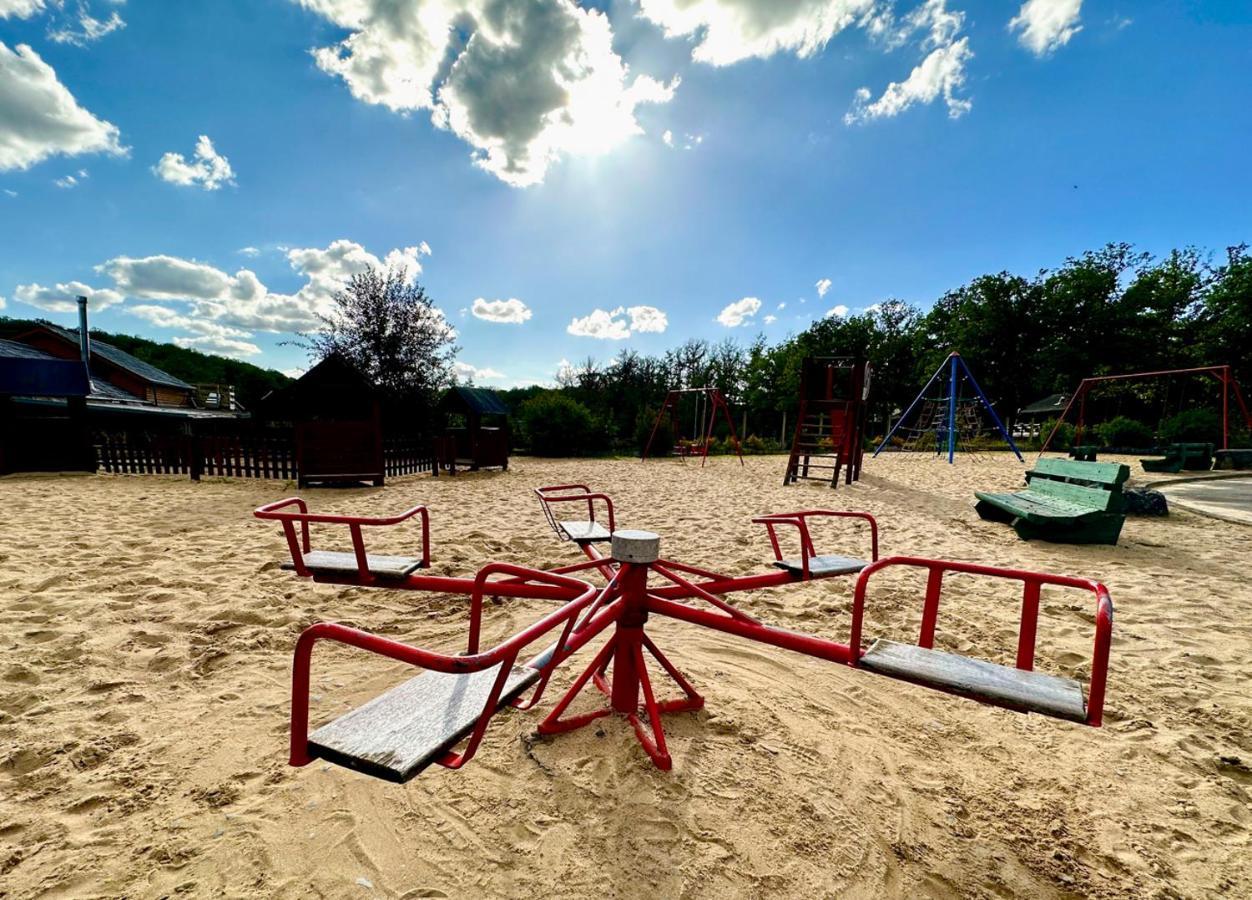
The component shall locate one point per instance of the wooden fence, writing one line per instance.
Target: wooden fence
(242, 455)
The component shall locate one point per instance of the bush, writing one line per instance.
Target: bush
(1193, 425)
(757, 445)
(557, 425)
(1064, 435)
(1125, 432)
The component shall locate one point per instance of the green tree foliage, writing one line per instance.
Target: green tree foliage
(1108, 311)
(1124, 431)
(554, 424)
(388, 327)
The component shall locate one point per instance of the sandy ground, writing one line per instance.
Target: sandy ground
(145, 642)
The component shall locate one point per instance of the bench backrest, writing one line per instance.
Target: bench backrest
(1093, 484)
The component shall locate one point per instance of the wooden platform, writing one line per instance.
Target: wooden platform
(823, 566)
(977, 679)
(585, 531)
(398, 734)
(331, 562)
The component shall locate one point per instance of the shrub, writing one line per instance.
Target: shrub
(1064, 435)
(757, 445)
(1193, 425)
(556, 425)
(1125, 432)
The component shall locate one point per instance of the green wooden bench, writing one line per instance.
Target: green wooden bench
(1192, 457)
(1232, 459)
(1067, 501)
(1083, 452)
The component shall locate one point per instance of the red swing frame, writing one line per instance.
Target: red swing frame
(717, 402)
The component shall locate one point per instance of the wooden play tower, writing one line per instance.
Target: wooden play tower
(830, 421)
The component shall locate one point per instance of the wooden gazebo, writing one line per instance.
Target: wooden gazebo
(336, 413)
(477, 434)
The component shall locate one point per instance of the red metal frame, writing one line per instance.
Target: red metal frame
(716, 402)
(280, 511)
(567, 493)
(1032, 582)
(1223, 374)
(683, 592)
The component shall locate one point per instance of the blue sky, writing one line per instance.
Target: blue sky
(603, 175)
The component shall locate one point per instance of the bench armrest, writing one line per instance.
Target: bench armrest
(281, 511)
(574, 493)
(1032, 582)
(800, 521)
(503, 655)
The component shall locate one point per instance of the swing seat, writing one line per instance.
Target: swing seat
(336, 563)
(584, 532)
(986, 682)
(398, 734)
(823, 566)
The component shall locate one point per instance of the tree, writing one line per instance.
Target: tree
(386, 325)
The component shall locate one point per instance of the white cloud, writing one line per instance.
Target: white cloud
(295, 371)
(823, 285)
(647, 319)
(40, 116)
(602, 324)
(782, 305)
(220, 345)
(208, 169)
(618, 324)
(524, 84)
(466, 372)
(1046, 25)
(10, 193)
(89, 29)
(740, 312)
(667, 138)
(728, 31)
(63, 298)
(2, 303)
(20, 9)
(941, 73)
(837, 311)
(249, 251)
(512, 311)
(66, 182)
(770, 319)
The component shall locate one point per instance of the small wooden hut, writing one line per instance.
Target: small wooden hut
(477, 434)
(43, 424)
(336, 413)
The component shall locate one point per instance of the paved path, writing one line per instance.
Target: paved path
(1224, 498)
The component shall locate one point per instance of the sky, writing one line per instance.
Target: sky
(568, 179)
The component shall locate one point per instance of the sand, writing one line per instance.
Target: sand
(145, 645)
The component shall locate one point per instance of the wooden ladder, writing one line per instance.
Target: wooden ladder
(812, 427)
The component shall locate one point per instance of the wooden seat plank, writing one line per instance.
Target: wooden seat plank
(585, 531)
(1036, 692)
(823, 566)
(398, 734)
(333, 562)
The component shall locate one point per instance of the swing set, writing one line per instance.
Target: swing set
(708, 402)
(1223, 374)
(423, 720)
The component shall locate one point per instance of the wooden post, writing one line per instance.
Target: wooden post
(195, 464)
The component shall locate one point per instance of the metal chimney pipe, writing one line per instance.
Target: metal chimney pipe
(84, 339)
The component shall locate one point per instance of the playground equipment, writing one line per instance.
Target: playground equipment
(708, 402)
(830, 420)
(421, 721)
(364, 567)
(1223, 374)
(1065, 501)
(947, 422)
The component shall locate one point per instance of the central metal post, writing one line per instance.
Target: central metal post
(636, 551)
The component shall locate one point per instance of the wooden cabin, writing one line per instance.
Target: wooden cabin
(131, 379)
(477, 434)
(43, 421)
(336, 414)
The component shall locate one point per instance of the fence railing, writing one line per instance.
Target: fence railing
(270, 455)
